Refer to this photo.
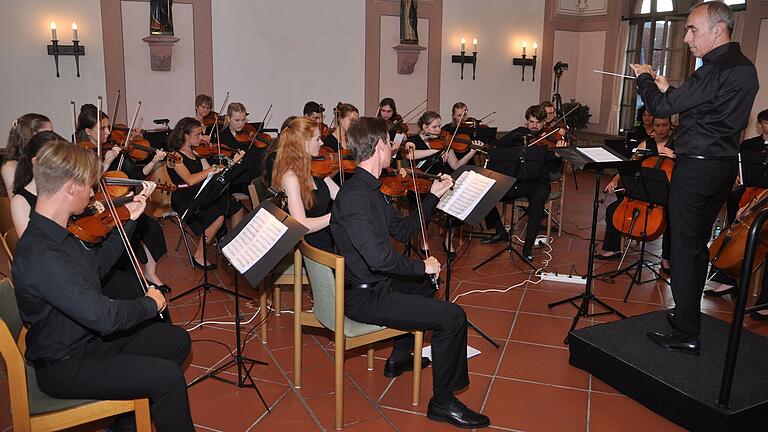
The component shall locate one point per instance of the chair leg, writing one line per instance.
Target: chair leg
(370, 359)
(549, 220)
(417, 343)
(339, 378)
(276, 299)
(143, 421)
(186, 242)
(297, 338)
(263, 311)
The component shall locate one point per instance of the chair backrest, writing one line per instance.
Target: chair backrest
(10, 238)
(325, 272)
(9, 310)
(254, 193)
(6, 222)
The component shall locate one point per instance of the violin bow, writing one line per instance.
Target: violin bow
(338, 147)
(114, 112)
(216, 123)
(402, 117)
(128, 135)
(554, 122)
(74, 122)
(419, 210)
(261, 127)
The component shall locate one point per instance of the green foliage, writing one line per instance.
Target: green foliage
(578, 119)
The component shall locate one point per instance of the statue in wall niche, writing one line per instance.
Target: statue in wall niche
(161, 17)
(409, 33)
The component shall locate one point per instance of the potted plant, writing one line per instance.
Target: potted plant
(579, 118)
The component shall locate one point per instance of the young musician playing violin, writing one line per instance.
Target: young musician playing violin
(82, 344)
(203, 106)
(549, 107)
(237, 135)
(662, 145)
(387, 288)
(189, 175)
(148, 238)
(309, 198)
(534, 186)
(21, 131)
(388, 111)
(346, 114)
(429, 129)
(459, 113)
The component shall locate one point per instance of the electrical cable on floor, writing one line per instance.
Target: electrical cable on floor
(224, 322)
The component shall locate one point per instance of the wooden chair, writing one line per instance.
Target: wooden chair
(6, 222)
(554, 196)
(159, 207)
(10, 238)
(33, 410)
(328, 312)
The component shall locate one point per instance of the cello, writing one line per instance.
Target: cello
(727, 251)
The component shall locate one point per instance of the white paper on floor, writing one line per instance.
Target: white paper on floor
(427, 352)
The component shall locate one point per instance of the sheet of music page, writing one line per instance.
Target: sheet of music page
(254, 241)
(469, 189)
(598, 154)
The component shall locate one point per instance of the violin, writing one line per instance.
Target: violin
(96, 222)
(640, 219)
(324, 130)
(727, 251)
(212, 118)
(395, 183)
(461, 142)
(210, 150)
(251, 136)
(326, 163)
(398, 125)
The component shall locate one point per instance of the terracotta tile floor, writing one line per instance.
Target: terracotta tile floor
(525, 385)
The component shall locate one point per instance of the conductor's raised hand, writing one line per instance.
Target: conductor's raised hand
(640, 69)
(440, 187)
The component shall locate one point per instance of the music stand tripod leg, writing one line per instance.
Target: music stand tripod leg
(509, 249)
(449, 266)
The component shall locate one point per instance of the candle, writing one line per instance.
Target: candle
(524, 46)
(74, 32)
(53, 31)
(474, 42)
(463, 41)
(535, 48)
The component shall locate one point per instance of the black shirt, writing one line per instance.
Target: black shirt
(714, 103)
(59, 291)
(361, 223)
(757, 143)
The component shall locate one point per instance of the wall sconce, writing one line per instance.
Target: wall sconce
(462, 58)
(523, 61)
(56, 50)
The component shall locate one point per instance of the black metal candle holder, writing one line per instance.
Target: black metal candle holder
(464, 59)
(57, 50)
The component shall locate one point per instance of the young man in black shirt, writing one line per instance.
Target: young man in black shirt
(387, 288)
(82, 344)
(714, 105)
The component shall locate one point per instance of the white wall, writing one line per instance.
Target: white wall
(761, 61)
(306, 50)
(408, 90)
(166, 94)
(584, 52)
(28, 80)
(500, 27)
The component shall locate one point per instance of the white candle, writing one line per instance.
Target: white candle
(74, 32)
(474, 42)
(535, 48)
(463, 41)
(53, 31)
(524, 46)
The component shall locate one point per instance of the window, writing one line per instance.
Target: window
(655, 38)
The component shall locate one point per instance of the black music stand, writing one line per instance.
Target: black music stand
(754, 169)
(254, 274)
(486, 203)
(649, 185)
(486, 134)
(209, 192)
(521, 162)
(585, 163)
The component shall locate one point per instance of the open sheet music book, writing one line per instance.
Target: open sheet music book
(467, 192)
(598, 154)
(256, 239)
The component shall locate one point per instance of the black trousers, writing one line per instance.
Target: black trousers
(536, 192)
(697, 191)
(141, 362)
(407, 304)
(612, 238)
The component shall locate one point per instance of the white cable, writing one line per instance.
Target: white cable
(255, 314)
(536, 273)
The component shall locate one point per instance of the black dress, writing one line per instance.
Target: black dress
(250, 166)
(182, 198)
(321, 206)
(432, 164)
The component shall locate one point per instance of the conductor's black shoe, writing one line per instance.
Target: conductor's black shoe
(457, 414)
(394, 369)
(675, 344)
(671, 319)
(496, 238)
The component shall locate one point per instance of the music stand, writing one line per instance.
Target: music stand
(254, 274)
(209, 192)
(488, 201)
(754, 169)
(521, 162)
(486, 134)
(651, 186)
(586, 163)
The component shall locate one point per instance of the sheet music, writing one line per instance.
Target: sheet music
(598, 154)
(202, 186)
(254, 241)
(469, 189)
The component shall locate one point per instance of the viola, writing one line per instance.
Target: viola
(640, 219)
(727, 251)
(96, 222)
(251, 136)
(397, 183)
